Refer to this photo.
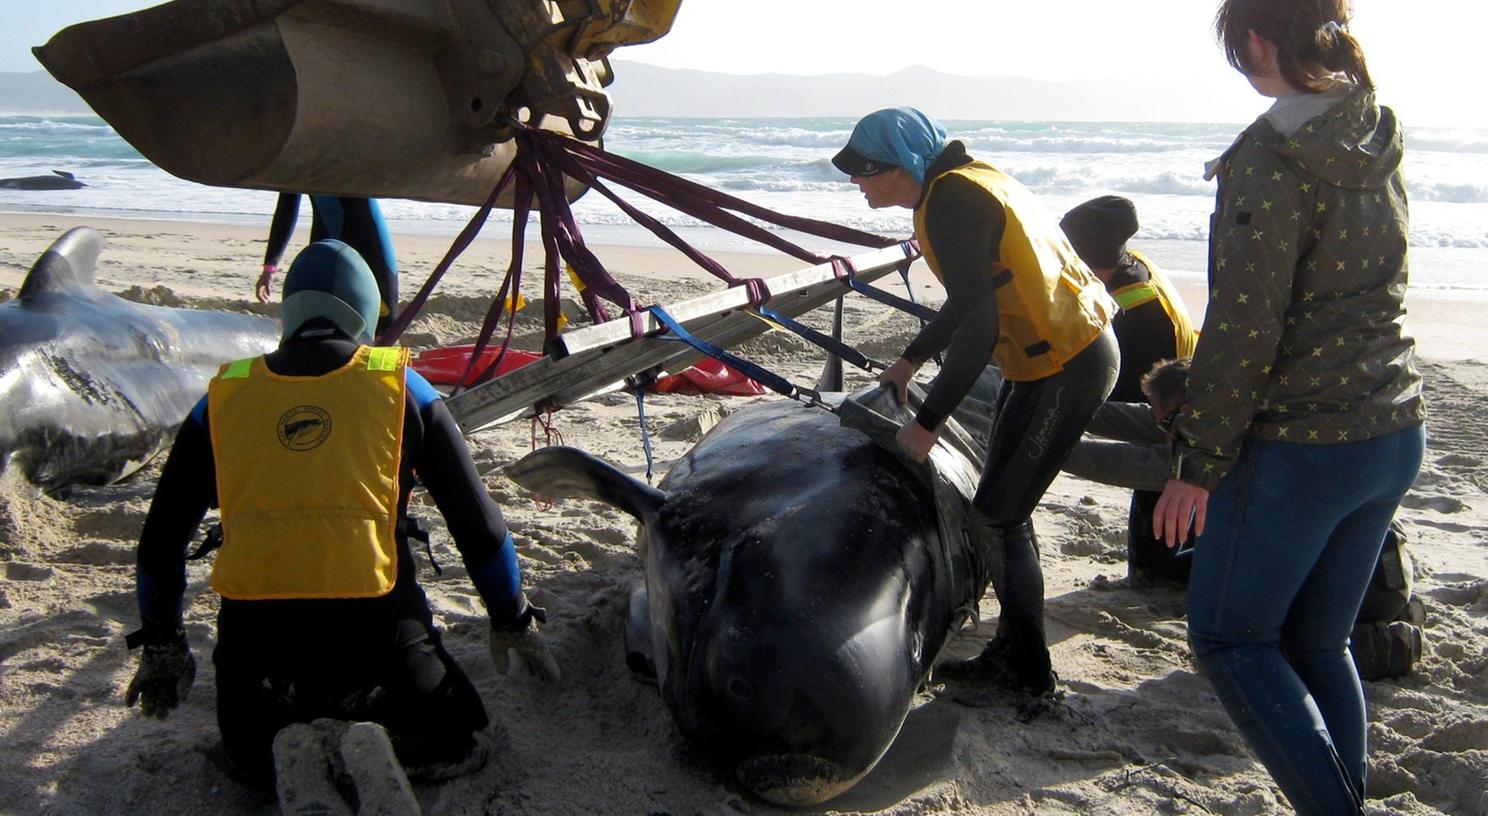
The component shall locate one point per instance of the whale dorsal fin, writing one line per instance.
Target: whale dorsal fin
(65, 174)
(67, 266)
(563, 472)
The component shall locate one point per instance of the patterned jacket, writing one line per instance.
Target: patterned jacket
(1304, 338)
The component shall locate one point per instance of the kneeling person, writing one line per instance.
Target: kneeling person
(311, 451)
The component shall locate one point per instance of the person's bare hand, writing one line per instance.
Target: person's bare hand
(899, 374)
(915, 440)
(1180, 503)
(265, 286)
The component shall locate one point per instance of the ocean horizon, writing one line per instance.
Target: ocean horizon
(784, 164)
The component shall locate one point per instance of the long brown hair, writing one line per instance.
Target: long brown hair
(1307, 33)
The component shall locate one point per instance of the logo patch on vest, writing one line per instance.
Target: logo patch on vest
(304, 427)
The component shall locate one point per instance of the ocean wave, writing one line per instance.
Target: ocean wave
(1447, 141)
(701, 163)
(1449, 192)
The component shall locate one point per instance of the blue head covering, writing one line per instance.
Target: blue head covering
(328, 279)
(902, 137)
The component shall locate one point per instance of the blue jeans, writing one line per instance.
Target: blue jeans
(1292, 537)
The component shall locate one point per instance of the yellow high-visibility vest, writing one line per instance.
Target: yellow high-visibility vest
(307, 477)
(1050, 306)
(1158, 287)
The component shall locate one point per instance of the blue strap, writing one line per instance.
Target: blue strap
(922, 312)
(759, 374)
(826, 341)
(640, 395)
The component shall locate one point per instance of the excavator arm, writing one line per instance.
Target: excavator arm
(378, 98)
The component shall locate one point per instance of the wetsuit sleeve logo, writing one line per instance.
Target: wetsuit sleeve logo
(304, 427)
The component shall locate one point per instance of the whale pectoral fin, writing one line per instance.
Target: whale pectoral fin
(564, 472)
(638, 649)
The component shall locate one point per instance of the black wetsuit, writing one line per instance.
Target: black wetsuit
(1037, 422)
(355, 221)
(380, 659)
(1146, 335)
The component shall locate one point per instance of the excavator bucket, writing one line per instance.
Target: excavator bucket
(378, 98)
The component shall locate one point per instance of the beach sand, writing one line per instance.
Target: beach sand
(1139, 731)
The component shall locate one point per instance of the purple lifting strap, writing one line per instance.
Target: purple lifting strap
(542, 161)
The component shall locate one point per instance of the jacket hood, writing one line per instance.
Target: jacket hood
(1355, 144)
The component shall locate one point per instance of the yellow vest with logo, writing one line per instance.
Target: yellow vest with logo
(1050, 306)
(1157, 287)
(307, 477)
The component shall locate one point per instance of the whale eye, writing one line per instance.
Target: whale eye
(740, 688)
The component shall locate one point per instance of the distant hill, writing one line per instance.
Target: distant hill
(37, 92)
(646, 90)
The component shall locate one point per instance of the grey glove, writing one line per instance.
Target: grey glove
(164, 677)
(523, 635)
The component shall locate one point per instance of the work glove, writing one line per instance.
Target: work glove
(523, 636)
(165, 673)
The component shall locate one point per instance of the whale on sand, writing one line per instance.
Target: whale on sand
(800, 580)
(91, 384)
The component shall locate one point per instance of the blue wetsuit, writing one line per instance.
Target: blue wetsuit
(356, 221)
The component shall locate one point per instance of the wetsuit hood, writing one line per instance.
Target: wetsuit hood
(330, 281)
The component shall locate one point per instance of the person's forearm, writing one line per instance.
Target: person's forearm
(1126, 422)
(970, 351)
(1123, 464)
(475, 522)
(187, 487)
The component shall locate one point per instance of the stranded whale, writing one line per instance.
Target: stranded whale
(91, 384)
(58, 180)
(799, 583)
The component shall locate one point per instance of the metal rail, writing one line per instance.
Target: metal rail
(596, 359)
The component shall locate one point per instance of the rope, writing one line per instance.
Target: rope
(640, 395)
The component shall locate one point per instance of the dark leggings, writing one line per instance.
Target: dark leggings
(409, 683)
(1037, 425)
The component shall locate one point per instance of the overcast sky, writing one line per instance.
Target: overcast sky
(1424, 54)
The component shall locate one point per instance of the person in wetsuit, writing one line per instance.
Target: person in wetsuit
(1152, 325)
(311, 452)
(1019, 296)
(355, 221)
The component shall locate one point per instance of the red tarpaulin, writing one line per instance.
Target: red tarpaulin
(443, 366)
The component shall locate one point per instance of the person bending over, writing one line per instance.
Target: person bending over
(1016, 295)
(1153, 325)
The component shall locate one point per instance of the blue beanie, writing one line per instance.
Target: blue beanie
(329, 280)
(901, 137)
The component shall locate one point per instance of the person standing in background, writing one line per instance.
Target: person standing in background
(356, 221)
(1305, 421)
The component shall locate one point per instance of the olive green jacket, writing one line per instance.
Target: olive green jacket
(1304, 338)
